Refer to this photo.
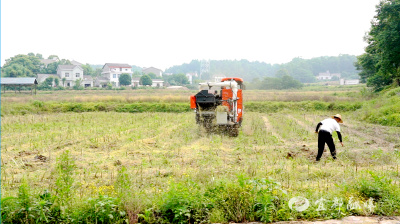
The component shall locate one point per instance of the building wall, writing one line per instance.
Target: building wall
(156, 71)
(106, 68)
(89, 82)
(349, 82)
(324, 77)
(71, 75)
(159, 84)
(352, 82)
(154, 84)
(190, 78)
(110, 72)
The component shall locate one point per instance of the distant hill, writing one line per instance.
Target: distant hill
(300, 69)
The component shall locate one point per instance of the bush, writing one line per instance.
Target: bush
(59, 88)
(102, 209)
(183, 203)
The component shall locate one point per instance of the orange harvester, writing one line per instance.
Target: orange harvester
(227, 93)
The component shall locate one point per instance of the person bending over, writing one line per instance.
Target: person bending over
(326, 127)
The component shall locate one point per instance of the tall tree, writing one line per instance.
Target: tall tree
(88, 70)
(381, 62)
(145, 80)
(21, 65)
(125, 79)
(281, 72)
(57, 81)
(49, 81)
(152, 75)
(52, 67)
(137, 74)
(53, 56)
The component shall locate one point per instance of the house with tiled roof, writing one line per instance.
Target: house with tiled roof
(70, 73)
(156, 71)
(101, 81)
(113, 71)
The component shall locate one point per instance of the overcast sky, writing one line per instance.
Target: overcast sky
(166, 33)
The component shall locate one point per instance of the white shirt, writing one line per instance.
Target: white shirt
(330, 125)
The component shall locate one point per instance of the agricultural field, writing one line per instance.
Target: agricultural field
(117, 167)
(312, 92)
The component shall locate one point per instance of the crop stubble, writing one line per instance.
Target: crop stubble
(158, 147)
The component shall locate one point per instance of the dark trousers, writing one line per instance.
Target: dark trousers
(325, 137)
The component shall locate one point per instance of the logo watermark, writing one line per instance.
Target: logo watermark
(301, 204)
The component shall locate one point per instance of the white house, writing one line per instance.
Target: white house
(113, 71)
(87, 81)
(327, 75)
(190, 76)
(71, 73)
(156, 71)
(349, 81)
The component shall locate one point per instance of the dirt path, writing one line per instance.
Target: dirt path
(270, 129)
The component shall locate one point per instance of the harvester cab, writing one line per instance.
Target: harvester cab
(220, 105)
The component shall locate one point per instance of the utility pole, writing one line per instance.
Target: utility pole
(204, 67)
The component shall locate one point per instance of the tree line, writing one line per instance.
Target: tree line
(303, 70)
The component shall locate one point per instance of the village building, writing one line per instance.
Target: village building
(87, 81)
(101, 81)
(156, 71)
(155, 82)
(70, 74)
(67, 75)
(327, 75)
(349, 81)
(191, 76)
(17, 83)
(112, 71)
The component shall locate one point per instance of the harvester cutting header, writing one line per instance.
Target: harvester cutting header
(220, 105)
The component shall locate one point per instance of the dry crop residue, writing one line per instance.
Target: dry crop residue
(270, 129)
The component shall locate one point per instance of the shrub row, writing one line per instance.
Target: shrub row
(242, 200)
(264, 107)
